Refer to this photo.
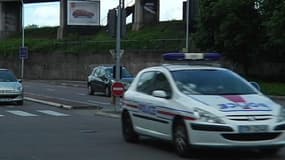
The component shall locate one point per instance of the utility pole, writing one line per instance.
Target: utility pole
(118, 50)
(187, 26)
(23, 40)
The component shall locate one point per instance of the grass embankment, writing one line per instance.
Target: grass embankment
(273, 88)
(163, 36)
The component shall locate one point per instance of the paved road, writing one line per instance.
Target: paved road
(39, 132)
(73, 96)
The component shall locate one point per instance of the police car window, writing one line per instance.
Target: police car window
(145, 83)
(211, 82)
(160, 82)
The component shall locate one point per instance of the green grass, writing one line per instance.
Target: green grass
(163, 36)
(273, 88)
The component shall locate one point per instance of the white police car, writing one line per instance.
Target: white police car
(201, 106)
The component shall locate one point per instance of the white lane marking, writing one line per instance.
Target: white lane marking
(21, 113)
(65, 99)
(82, 94)
(50, 89)
(98, 102)
(1, 115)
(53, 113)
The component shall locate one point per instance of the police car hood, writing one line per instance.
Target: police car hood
(239, 104)
(9, 85)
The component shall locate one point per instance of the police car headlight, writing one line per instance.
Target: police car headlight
(281, 116)
(208, 117)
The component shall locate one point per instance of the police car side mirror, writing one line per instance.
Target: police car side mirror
(20, 80)
(255, 85)
(160, 94)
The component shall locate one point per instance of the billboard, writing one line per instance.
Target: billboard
(85, 13)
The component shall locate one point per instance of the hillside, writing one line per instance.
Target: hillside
(163, 36)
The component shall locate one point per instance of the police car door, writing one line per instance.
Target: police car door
(148, 118)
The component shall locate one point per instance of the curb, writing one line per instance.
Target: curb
(99, 113)
(106, 114)
(48, 103)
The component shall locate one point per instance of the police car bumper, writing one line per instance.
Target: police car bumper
(228, 136)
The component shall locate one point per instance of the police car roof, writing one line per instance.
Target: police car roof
(174, 67)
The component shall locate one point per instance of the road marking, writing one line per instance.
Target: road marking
(82, 94)
(65, 99)
(21, 113)
(50, 89)
(1, 115)
(98, 102)
(53, 113)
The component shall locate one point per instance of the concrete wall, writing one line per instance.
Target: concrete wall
(73, 67)
(77, 67)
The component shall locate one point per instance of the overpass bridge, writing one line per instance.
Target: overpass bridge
(144, 11)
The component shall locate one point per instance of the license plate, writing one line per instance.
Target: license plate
(252, 128)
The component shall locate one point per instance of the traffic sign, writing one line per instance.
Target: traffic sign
(118, 89)
(23, 53)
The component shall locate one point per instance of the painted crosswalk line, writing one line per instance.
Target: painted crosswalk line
(53, 113)
(21, 113)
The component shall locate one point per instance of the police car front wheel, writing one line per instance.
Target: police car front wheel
(180, 139)
(127, 128)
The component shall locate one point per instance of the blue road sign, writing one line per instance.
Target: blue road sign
(23, 54)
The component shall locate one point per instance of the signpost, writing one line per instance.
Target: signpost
(23, 54)
(118, 89)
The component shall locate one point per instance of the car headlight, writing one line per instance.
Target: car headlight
(19, 88)
(208, 117)
(281, 115)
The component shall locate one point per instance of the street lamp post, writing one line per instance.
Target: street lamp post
(187, 26)
(23, 40)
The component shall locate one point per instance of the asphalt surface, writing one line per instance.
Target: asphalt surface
(34, 132)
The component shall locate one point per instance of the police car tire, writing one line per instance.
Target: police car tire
(90, 90)
(180, 139)
(127, 128)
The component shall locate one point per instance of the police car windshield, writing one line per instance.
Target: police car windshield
(211, 82)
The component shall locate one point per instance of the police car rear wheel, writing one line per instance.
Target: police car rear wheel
(127, 128)
(181, 140)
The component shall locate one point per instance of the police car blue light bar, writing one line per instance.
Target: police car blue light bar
(191, 56)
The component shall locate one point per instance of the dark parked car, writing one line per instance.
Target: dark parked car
(101, 79)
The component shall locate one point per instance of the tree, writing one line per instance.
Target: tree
(31, 26)
(273, 12)
(232, 27)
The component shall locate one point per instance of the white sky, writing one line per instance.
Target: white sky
(47, 14)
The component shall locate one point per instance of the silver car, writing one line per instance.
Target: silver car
(11, 89)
